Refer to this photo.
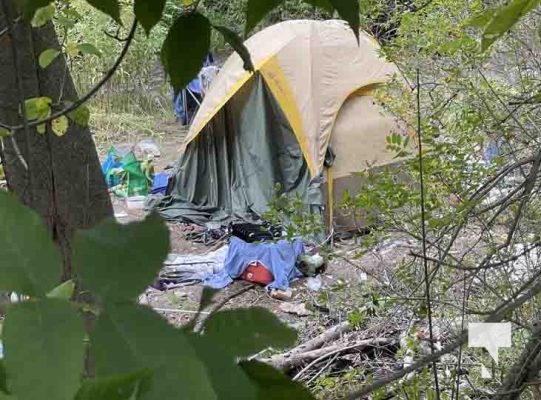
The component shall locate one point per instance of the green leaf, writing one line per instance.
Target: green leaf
(81, 115)
(64, 291)
(41, 128)
(118, 387)
(72, 49)
(149, 12)
(4, 133)
(87, 48)
(257, 10)
(227, 378)
(38, 108)
(118, 261)
(349, 11)
(185, 48)
(29, 261)
(44, 349)
(504, 19)
(206, 298)
(272, 384)
(60, 125)
(482, 19)
(236, 43)
(31, 6)
(323, 4)
(3, 377)
(47, 57)
(109, 7)
(258, 328)
(65, 22)
(129, 338)
(43, 15)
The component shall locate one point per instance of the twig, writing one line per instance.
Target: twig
(324, 356)
(296, 359)
(424, 234)
(497, 315)
(216, 307)
(318, 341)
(175, 310)
(526, 368)
(321, 370)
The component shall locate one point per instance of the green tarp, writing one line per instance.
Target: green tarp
(231, 169)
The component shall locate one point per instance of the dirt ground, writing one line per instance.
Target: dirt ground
(327, 306)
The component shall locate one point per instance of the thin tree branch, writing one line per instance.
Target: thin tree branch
(216, 307)
(496, 316)
(88, 95)
(423, 233)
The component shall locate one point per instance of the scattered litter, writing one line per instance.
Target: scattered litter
(125, 175)
(311, 265)
(295, 308)
(314, 283)
(181, 270)
(135, 202)
(147, 147)
(121, 214)
(143, 299)
(284, 295)
(160, 183)
(391, 244)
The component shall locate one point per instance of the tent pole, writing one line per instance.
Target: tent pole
(330, 203)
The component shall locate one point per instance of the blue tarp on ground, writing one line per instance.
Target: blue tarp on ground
(159, 184)
(279, 258)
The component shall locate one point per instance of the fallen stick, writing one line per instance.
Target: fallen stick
(329, 335)
(289, 360)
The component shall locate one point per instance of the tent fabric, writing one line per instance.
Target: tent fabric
(311, 67)
(311, 91)
(231, 169)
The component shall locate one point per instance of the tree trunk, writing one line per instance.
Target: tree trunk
(63, 182)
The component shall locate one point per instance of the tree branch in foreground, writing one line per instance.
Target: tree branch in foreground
(88, 95)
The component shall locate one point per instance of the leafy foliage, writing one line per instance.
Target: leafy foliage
(101, 257)
(236, 43)
(137, 354)
(43, 15)
(290, 211)
(227, 326)
(256, 10)
(149, 12)
(47, 57)
(273, 384)
(50, 333)
(109, 7)
(21, 266)
(503, 19)
(185, 48)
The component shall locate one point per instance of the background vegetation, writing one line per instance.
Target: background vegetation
(469, 77)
